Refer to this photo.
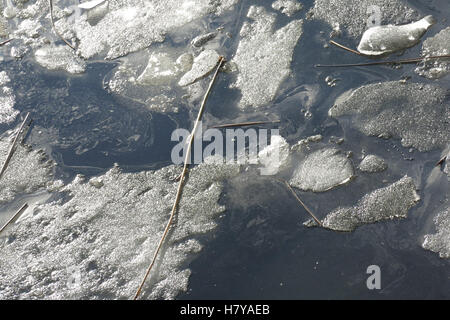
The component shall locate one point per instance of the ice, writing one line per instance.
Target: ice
(59, 58)
(440, 241)
(275, 156)
(203, 65)
(322, 170)
(98, 242)
(416, 113)
(7, 100)
(393, 201)
(372, 163)
(288, 7)
(160, 70)
(436, 46)
(202, 39)
(352, 15)
(28, 171)
(264, 56)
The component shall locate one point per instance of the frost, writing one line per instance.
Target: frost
(7, 100)
(322, 170)
(98, 243)
(436, 46)
(352, 15)
(393, 201)
(440, 241)
(372, 163)
(416, 113)
(264, 56)
(59, 58)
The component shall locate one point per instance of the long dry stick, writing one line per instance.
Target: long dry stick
(244, 124)
(301, 202)
(5, 42)
(22, 209)
(53, 25)
(12, 149)
(345, 48)
(183, 174)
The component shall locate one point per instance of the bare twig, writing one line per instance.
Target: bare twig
(301, 202)
(244, 124)
(182, 179)
(12, 149)
(374, 63)
(345, 48)
(53, 25)
(21, 210)
(5, 42)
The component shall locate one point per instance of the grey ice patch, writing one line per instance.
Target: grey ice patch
(108, 231)
(264, 56)
(436, 46)
(29, 171)
(352, 15)
(417, 113)
(59, 58)
(323, 170)
(203, 39)
(288, 7)
(160, 70)
(7, 100)
(372, 163)
(393, 201)
(202, 66)
(381, 40)
(439, 242)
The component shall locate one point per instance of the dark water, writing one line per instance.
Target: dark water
(278, 257)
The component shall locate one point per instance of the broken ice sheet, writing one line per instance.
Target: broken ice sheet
(107, 232)
(439, 242)
(353, 15)
(59, 58)
(436, 46)
(7, 100)
(322, 170)
(264, 56)
(288, 7)
(28, 171)
(372, 163)
(393, 201)
(416, 113)
(202, 65)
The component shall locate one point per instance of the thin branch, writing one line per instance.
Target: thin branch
(12, 149)
(182, 179)
(21, 210)
(301, 202)
(244, 124)
(53, 25)
(5, 42)
(374, 63)
(345, 48)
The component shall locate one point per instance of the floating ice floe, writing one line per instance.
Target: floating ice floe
(59, 58)
(98, 243)
(380, 40)
(372, 163)
(7, 100)
(393, 201)
(439, 242)
(264, 56)
(417, 113)
(355, 16)
(323, 170)
(288, 7)
(436, 46)
(202, 65)
(275, 156)
(160, 70)
(28, 171)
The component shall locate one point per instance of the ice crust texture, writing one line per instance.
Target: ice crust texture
(416, 113)
(439, 242)
(386, 203)
(372, 163)
(106, 233)
(264, 56)
(436, 46)
(7, 100)
(351, 15)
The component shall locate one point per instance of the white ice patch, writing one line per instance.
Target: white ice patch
(98, 243)
(7, 100)
(288, 7)
(372, 163)
(264, 56)
(203, 65)
(440, 241)
(59, 58)
(436, 46)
